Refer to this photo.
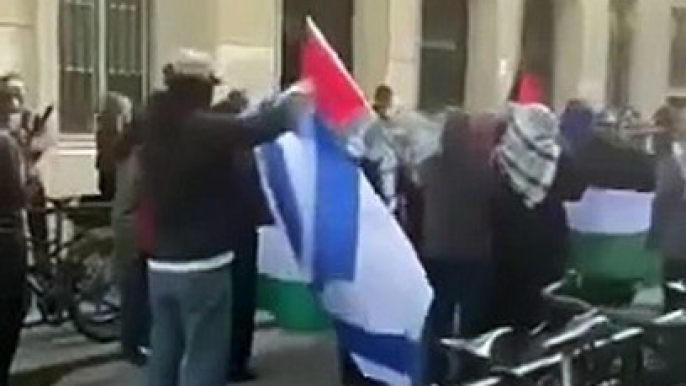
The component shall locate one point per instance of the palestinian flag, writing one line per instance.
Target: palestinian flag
(609, 230)
(282, 287)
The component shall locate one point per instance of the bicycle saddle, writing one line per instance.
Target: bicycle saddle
(678, 286)
(676, 318)
(481, 346)
(579, 330)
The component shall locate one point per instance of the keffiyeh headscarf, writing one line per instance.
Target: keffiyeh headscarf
(529, 151)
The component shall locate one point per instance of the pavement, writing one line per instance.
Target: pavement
(59, 357)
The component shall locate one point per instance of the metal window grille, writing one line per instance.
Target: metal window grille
(103, 47)
(444, 40)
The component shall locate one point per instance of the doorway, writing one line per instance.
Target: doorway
(333, 17)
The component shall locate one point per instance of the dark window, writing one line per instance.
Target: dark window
(538, 43)
(333, 17)
(103, 47)
(445, 29)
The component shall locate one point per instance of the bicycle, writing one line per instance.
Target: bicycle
(546, 358)
(595, 346)
(654, 353)
(70, 275)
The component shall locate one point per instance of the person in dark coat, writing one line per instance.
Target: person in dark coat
(244, 268)
(667, 233)
(457, 239)
(536, 177)
(114, 117)
(187, 158)
(12, 251)
(35, 138)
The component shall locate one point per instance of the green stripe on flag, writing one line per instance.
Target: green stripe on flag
(292, 304)
(614, 257)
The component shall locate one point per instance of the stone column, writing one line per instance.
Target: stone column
(17, 39)
(402, 71)
(371, 43)
(569, 49)
(581, 51)
(495, 30)
(650, 69)
(595, 49)
(46, 55)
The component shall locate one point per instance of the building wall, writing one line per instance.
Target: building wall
(244, 36)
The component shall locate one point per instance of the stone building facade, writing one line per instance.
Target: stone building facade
(430, 51)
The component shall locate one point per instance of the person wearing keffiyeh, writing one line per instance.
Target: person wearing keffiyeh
(536, 176)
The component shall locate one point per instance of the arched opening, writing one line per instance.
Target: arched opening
(444, 40)
(538, 45)
(334, 18)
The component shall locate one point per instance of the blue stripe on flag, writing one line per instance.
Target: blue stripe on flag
(336, 209)
(282, 189)
(395, 352)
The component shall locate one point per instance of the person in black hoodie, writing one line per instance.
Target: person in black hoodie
(256, 214)
(186, 174)
(530, 231)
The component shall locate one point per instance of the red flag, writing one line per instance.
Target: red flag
(530, 89)
(338, 99)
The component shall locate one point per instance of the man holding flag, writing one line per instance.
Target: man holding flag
(346, 241)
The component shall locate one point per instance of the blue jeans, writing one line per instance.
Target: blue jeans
(191, 333)
(464, 284)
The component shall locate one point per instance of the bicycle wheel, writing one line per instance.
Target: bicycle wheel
(95, 304)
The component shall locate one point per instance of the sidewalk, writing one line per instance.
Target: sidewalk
(52, 352)
(280, 359)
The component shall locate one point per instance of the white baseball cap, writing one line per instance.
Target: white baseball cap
(194, 64)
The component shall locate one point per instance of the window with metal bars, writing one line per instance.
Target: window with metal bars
(103, 47)
(444, 39)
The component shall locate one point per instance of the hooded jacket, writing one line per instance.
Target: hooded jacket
(457, 185)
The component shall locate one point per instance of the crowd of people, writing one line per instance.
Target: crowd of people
(486, 214)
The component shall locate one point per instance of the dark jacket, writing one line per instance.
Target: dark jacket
(11, 184)
(457, 187)
(256, 210)
(668, 223)
(189, 179)
(613, 166)
(536, 237)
